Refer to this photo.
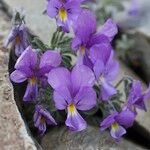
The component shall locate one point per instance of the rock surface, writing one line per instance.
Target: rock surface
(138, 57)
(39, 23)
(139, 22)
(59, 138)
(13, 133)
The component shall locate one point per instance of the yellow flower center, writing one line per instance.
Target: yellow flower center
(33, 80)
(115, 126)
(18, 39)
(63, 14)
(82, 49)
(71, 108)
(42, 120)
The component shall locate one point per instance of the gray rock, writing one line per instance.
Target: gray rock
(60, 138)
(13, 133)
(138, 56)
(39, 23)
(140, 22)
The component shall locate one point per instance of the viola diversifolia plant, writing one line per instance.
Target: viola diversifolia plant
(73, 76)
(65, 12)
(18, 35)
(30, 67)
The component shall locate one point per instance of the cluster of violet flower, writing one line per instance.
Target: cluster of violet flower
(73, 89)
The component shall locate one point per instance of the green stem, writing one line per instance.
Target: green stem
(61, 36)
(119, 82)
(109, 102)
(123, 79)
(55, 38)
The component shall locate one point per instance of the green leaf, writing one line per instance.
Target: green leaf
(127, 87)
(65, 45)
(123, 46)
(54, 39)
(115, 3)
(66, 61)
(97, 89)
(65, 40)
(117, 105)
(45, 98)
(93, 120)
(60, 116)
(91, 112)
(38, 44)
(105, 108)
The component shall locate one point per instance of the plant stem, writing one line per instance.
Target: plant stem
(109, 102)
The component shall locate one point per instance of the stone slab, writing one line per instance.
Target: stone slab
(59, 138)
(138, 23)
(138, 57)
(13, 133)
(39, 23)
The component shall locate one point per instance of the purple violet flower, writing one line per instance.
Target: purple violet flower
(134, 8)
(73, 91)
(28, 67)
(137, 98)
(65, 12)
(109, 29)
(42, 118)
(118, 123)
(86, 36)
(105, 69)
(85, 31)
(18, 36)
